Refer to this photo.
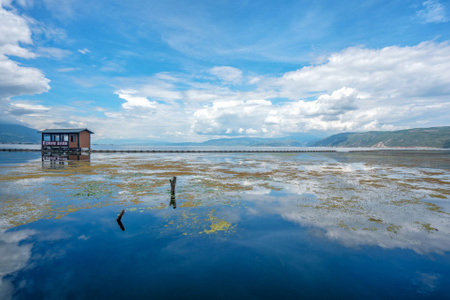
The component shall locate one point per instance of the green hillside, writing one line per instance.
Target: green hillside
(434, 137)
(18, 134)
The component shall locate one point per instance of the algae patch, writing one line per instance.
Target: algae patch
(216, 224)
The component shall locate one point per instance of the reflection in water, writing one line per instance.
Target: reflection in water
(56, 160)
(173, 202)
(14, 256)
(353, 198)
(119, 220)
(120, 224)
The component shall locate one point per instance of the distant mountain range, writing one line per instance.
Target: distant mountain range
(18, 134)
(300, 140)
(434, 137)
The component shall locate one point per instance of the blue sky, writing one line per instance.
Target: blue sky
(197, 70)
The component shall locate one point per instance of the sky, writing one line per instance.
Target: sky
(196, 70)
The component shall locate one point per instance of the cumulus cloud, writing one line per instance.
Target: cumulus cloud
(432, 12)
(357, 89)
(14, 30)
(331, 106)
(231, 117)
(134, 101)
(15, 79)
(227, 74)
(262, 117)
(421, 70)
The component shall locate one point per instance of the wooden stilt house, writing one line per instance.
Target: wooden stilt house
(78, 139)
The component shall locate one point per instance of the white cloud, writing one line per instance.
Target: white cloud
(356, 89)
(65, 70)
(352, 90)
(16, 80)
(19, 108)
(16, 50)
(200, 96)
(161, 91)
(227, 74)
(339, 102)
(261, 116)
(433, 12)
(84, 51)
(421, 70)
(14, 30)
(231, 117)
(53, 52)
(134, 101)
(251, 131)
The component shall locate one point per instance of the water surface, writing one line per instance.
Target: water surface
(260, 226)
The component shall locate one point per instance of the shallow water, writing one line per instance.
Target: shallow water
(262, 226)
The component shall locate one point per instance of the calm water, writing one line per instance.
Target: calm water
(372, 225)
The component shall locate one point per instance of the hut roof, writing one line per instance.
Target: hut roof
(70, 130)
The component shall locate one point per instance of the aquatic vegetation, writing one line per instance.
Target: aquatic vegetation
(216, 224)
(393, 228)
(93, 189)
(427, 227)
(338, 192)
(379, 221)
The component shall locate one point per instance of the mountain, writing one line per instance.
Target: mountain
(18, 134)
(434, 137)
(254, 142)
(134, 142)
(299, 140)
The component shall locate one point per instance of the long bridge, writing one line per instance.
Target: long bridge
(183, 151)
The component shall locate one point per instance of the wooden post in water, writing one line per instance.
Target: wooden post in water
(173, 182)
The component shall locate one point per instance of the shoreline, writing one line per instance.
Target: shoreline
(314, 150)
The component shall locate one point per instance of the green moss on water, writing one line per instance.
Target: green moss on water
(393, 228)
(379, 221)
(427, 227)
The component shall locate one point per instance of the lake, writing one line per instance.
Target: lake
(343, 225)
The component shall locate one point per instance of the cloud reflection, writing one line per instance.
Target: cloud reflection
(14, 256)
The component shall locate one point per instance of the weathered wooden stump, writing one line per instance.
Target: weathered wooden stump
(173, 182)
